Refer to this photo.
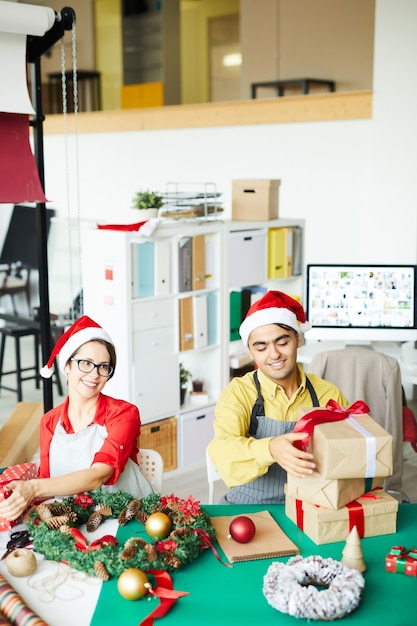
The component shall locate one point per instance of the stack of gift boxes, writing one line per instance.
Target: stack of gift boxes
(353, 456)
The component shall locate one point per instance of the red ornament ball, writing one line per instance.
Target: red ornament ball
(242, 529)
(133, 583)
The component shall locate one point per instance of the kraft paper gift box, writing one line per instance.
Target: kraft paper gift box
(373, 514)
(23, 471)
(401, 561)
(347, 444)
(330, 493)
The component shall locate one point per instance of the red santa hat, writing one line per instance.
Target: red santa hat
(84, 329)
(275, 307)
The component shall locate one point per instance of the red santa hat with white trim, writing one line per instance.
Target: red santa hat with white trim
(83, 330)
(275, 307)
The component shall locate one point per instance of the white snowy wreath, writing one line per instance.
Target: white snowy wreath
(292, 588)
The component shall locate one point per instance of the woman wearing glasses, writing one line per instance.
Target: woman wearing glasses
(91, 439)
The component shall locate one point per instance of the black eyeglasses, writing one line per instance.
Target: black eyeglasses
(86, 366)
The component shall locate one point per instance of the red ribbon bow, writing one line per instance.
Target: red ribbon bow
(82, 544)
(332, 413)
(164, 590)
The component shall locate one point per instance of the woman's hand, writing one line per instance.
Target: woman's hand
(23, 492)
(293, 460)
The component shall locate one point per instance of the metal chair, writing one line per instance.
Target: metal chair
(14, 279)
(152, 465)
(212, 477)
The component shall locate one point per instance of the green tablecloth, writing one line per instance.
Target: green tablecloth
(222, 595)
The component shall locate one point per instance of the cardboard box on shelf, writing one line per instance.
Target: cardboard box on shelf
(373, 514)
(255, 199)
(330, 493)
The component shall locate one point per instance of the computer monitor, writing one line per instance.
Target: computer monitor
(362, 303)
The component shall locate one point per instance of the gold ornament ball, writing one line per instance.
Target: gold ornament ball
(158, 525)
(132, 584)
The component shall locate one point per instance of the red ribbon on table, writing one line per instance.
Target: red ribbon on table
(333, 412)
(206, 542)
(164, 590)
(82, 544)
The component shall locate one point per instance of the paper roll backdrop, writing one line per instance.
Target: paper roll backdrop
(19, 177)
(16, 22)
(14, 608)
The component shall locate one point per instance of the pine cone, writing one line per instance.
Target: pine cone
(122, 519)
(181, 532)
(151, 552)
(57, 508)
(104, 509)
(172, 560)
(128, 552)
(101, 571)
(137, 541)
(94, 521)
(65, 529)
(57, 521)
(134, 506)
(44, 511)
(141, 516)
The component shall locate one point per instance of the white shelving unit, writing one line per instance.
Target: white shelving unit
(136, 288)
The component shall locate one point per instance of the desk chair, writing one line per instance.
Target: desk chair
(375, 378)
(212, 477)
(14, 279)
(152, 465)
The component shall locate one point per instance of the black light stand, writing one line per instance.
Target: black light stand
(36, 46)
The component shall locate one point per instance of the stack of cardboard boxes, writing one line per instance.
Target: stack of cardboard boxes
(353, 456)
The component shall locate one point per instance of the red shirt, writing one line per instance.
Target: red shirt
(122, 422)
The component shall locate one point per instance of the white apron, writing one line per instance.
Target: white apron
(70, 452)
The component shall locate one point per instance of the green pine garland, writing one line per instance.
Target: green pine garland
(50, 526)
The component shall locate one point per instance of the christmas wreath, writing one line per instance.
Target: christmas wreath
(55, 530)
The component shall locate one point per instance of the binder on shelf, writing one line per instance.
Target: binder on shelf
(249, 296)
(210, 262)
(185, 264)
(162, 267)
(212, 319)
(297, 268)
(143, 274)
(280, 252)
(235, 314)
(186, 323)
(200, 321)
(198, 262)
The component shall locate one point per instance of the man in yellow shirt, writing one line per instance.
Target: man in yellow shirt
(253, 440)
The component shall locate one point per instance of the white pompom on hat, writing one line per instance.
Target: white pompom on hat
(82, 330)
(275, 307)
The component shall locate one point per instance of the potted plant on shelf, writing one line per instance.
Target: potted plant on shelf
(148, 203)
(185, 376)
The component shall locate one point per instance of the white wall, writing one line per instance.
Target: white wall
(353, 182)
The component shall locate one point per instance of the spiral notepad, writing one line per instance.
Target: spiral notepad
(269, 541)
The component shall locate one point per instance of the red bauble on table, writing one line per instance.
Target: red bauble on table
(242, 529)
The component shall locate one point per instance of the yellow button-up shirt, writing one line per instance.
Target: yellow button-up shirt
(240, 458)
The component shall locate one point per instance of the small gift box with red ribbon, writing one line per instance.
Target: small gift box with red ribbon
(23, 471)
(331, 493)
(402, 561)
(346, 443)
(374, 513)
